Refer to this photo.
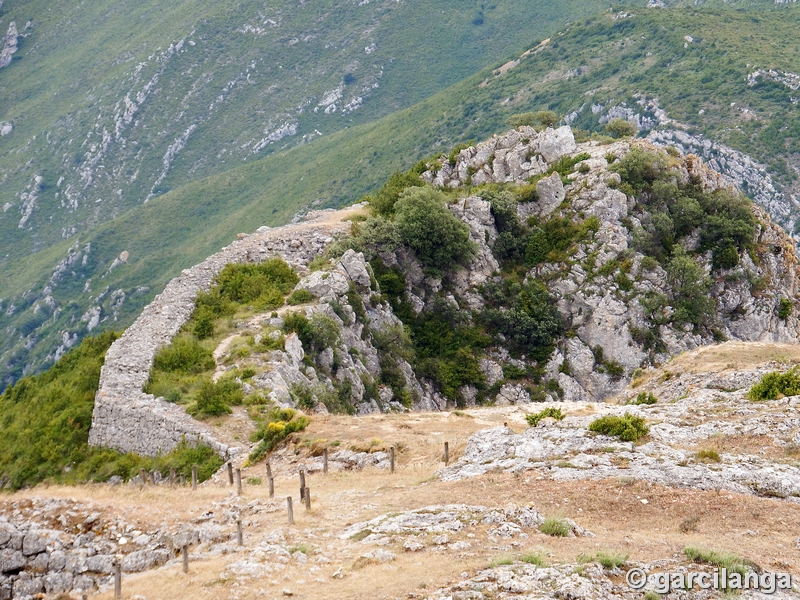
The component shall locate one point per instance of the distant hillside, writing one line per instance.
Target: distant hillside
(592, 70)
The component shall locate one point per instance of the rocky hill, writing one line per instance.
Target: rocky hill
(70, 270)
(576, 267)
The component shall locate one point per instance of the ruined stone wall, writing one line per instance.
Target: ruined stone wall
(127, 419)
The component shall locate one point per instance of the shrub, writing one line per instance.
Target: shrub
(262, 284)
(620, 128)
(639, 169)
(382, 203)
(785, 308)
(184, 355)
(627, 428)
(556, 527)
(302, 396)
(645, 398)
(300, 297)
(707, 456)
(776, 385)
(538, 120)
(214, 399)
(611, 560)
(555, 413)
(438, 238)
(278, 424)
(537, 559)
(524, 314)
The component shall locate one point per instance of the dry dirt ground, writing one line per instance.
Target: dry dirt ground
(645, 521)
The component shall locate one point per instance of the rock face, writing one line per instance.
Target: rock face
(9, 46)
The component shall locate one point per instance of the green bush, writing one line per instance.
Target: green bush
(278, 424)
(382, 203)
(645, 398)
(214, 399)
(538, 120)
(555, 413)
(261, 284)
(299, 297)
(620, 128)
(776, 385)
(611, 560)
(556, 527)
(550, 240)
(184, 355)
(627, 428)
(785, 308)
(438, 238)
(524, 314)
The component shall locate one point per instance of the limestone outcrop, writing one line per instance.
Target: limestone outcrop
(609, 335)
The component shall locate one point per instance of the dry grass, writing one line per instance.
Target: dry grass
(611, 509)
(726, 356)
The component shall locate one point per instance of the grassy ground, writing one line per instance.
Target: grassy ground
(760, 529)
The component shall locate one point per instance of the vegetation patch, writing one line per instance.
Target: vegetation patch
(547, 413)
(707, 456)
(556, 527)
(46, 419)
(732, 562)
(274, 427)
(776, 385)
(627, 428)
(646, 398)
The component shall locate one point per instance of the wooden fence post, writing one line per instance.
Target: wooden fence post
(289, 508)
(143, 476)
(117, 580)
(391, 459)
(239, 482)
(239, 534)
(230, 473)
(185, 553)
(271, 482)
(172, 477)
(308, 499)
(325, 461)
(302, 484)
(194, 477)
(446, 453)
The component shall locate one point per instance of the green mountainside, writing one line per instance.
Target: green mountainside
(603, 61)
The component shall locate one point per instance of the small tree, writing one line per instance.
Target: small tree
(439, 238)
(620, 128)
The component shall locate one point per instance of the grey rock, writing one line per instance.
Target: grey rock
(141, 560)
(57, 561)
(27, 585)
(551, 194)
(101, 563)
(11, 560)
(57, 583)
(33, 543)
(556, 143)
